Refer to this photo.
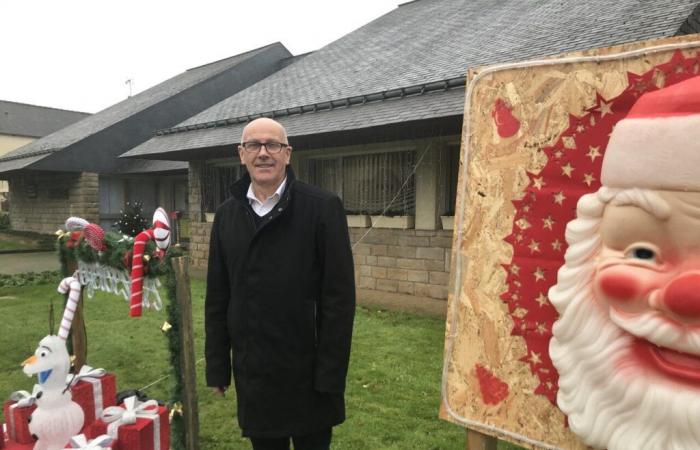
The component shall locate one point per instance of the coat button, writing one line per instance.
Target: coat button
(279, 209)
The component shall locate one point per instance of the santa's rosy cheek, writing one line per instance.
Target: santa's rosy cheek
(619, 287)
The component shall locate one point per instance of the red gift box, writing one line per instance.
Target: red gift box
(17, 418)
(94, 394)
(148, 433)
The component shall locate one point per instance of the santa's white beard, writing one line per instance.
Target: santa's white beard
(612, 401)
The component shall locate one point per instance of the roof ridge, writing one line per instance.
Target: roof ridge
(401, 92)
(45, 107)
(237, 55)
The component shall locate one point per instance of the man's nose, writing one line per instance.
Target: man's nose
(682, 296)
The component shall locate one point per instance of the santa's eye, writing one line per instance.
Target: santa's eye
(641, 253)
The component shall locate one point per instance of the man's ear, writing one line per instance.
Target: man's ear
(240, 153)
(289, 154)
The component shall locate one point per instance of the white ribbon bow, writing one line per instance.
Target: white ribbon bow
(99, 443)
(23, 398)
(85, 372)
(117, 416)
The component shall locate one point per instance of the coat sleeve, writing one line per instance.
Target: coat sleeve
(217, 346)
(336, 304)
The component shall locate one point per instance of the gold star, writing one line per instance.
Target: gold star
(534, 246)
(515, 269)
(522, 223)
(559, 198)
(592, 120)
(556, 245)
(558, 154)
(535, 358)
(588, 179)
(604, 108)
(518, 237)
(548, 222)
(526, 208)
(567, 169)
(514, 297)
(539, 274)
(538, 182)
(593, 153)
(541, 299)
(541, 328)
(549, 385)
(680, 68)
(580, 128)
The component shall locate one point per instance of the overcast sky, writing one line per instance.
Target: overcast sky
(78, 54)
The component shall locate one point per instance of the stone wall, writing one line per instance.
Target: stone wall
(43, 201)
(412, 262)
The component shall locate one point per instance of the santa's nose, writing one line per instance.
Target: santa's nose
(682, 296)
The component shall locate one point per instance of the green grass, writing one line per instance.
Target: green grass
(393, 388)
(20, 240)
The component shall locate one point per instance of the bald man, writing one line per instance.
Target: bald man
(280, 299)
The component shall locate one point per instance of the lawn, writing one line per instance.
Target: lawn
(393, 390)
(11, 240)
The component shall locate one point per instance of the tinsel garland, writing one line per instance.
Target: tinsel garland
(73, 247)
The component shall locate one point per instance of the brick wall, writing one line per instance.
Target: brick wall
(42, 201)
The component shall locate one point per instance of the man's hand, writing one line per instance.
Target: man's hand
(220, 390)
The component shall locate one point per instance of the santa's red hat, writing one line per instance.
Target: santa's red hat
(657, 145)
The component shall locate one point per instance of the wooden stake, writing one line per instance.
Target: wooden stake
(187, 362)
(78, 331)
(480, 441)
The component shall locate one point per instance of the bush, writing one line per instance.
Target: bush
(4, 221)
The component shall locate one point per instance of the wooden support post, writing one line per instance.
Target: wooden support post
(480, 441)
(187, 362)
(78, 331)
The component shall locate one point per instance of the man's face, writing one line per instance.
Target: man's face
(648, 276)
(266, 169)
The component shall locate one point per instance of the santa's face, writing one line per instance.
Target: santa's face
(648, 275)
(626, 345)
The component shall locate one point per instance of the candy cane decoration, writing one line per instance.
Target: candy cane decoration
(73, 285)
(161, 234)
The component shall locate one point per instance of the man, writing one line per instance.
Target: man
(627, 342)
(280, 299)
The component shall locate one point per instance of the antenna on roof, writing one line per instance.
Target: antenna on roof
(130, 82)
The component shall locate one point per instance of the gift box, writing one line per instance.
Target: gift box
(94, 390)
(136, 425)
(17, 413)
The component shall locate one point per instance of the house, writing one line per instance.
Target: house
(76, 171)
(376, 117)
(21, 124)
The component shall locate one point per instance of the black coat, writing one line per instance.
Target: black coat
(279, 309)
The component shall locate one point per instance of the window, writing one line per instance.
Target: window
(216, 182)
(371, 183)
(450, 172)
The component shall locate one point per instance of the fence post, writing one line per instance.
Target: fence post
(187, 362)
(480, 441)
(78, 332)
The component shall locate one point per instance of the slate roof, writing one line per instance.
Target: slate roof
(92, 125)
(418, 43)
(21, 119)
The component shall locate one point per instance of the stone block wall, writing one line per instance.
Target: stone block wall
(412, 262)
(43, 201)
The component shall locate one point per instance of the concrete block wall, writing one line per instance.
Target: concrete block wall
(48, 210)
(412, 262)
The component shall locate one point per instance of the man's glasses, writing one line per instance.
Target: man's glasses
(272, 147)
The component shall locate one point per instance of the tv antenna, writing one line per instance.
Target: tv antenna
(130, 82)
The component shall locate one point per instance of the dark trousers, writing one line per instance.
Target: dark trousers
(320, 440)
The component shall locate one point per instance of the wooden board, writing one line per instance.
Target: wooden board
(480, 347)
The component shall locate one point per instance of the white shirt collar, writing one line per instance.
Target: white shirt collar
(262, 208)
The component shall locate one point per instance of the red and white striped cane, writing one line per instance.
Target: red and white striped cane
(73, 285)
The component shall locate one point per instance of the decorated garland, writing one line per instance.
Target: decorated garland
(88, 247)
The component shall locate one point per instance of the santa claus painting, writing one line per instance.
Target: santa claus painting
(627, 342)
